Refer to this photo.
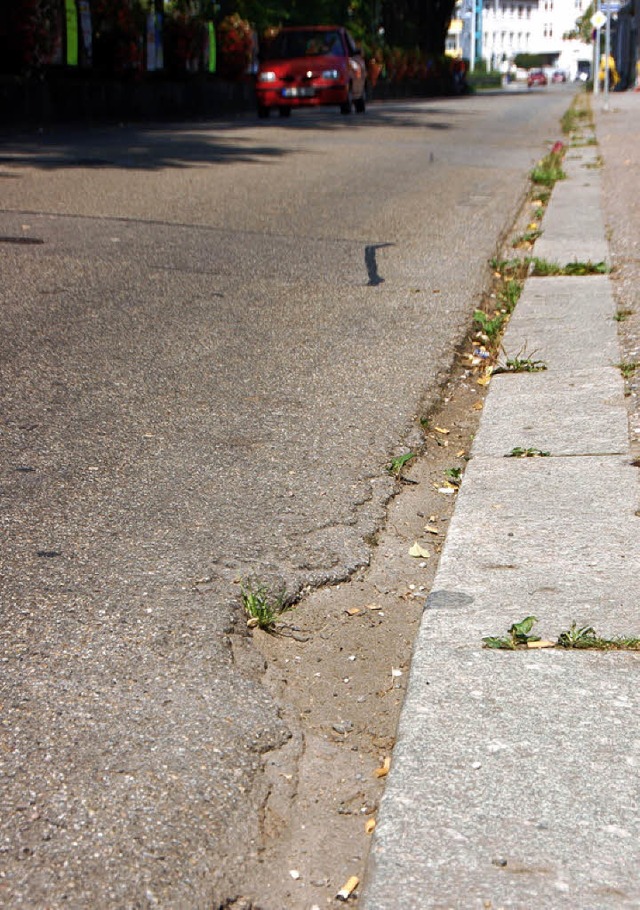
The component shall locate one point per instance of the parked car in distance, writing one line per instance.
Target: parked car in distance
(558, 76)
(536, 77)
(308, 66)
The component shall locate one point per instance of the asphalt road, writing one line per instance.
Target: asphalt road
(213, 336)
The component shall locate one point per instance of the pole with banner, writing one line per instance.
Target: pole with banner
(212, 62)
(71, 12)
(597, 21)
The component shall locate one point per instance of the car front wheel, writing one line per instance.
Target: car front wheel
(347, 106)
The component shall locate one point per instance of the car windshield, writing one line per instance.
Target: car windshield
(305, 43)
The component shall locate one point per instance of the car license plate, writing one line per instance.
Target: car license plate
(303, 91)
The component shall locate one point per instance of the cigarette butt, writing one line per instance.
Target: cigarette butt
(384, 770)
(370, 826)
(348, 888)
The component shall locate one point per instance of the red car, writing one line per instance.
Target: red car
(536, 77)
(308, 66)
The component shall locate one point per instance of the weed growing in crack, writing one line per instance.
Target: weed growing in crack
(586, 638)
(454, 476)
(621, 315)
(262, 606)
(519, 452)
(518, 636)
(510, 268)
(397, 464)
(586, 268)
(509, 294)
(583, 638)
(527, 239)
(544, 268)
(490, 326)
(520, 363)
(548, 170)
(628, 368)
(573, 119)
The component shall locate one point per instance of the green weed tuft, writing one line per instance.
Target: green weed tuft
(397, 464)
(628, 368)
(519, 452)
(519, 635)
(262, 606)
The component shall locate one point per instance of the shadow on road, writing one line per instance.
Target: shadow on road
(183, 145)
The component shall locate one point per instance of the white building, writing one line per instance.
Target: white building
(511, 27)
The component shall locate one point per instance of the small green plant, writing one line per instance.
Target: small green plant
(510, 268)
(576, 116)
(584, 143)
(454, 476)
(628, 368)
(579, 638)
(519, 635)
(262, 606)
(586, 638)
(586, 268)
(397, 464)
(509, 294)
(621, 315)
(542, 267)
(540, 196)
(548, 170)
(526, 239)
(568, 121)
(520, 363)
(519, 452)
(490, 326)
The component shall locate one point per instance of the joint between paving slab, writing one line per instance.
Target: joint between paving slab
(555, 455)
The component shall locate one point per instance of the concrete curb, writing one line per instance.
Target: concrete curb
(515, 775)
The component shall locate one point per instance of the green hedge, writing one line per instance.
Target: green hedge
(477, 80)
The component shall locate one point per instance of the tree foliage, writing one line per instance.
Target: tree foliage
(28, 28)
(583, 30)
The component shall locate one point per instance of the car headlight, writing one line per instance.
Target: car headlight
(267, 76)
(331, 74)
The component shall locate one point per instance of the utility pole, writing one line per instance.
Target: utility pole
(597, 21)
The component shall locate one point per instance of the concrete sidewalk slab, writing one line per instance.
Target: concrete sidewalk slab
(565, 321)
(556, 537)
(523, 791)
(577, 160)
(573, 227)
(577, 413)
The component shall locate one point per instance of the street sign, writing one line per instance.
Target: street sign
(598, 19)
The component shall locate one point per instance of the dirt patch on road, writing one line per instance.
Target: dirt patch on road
(340, 671)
